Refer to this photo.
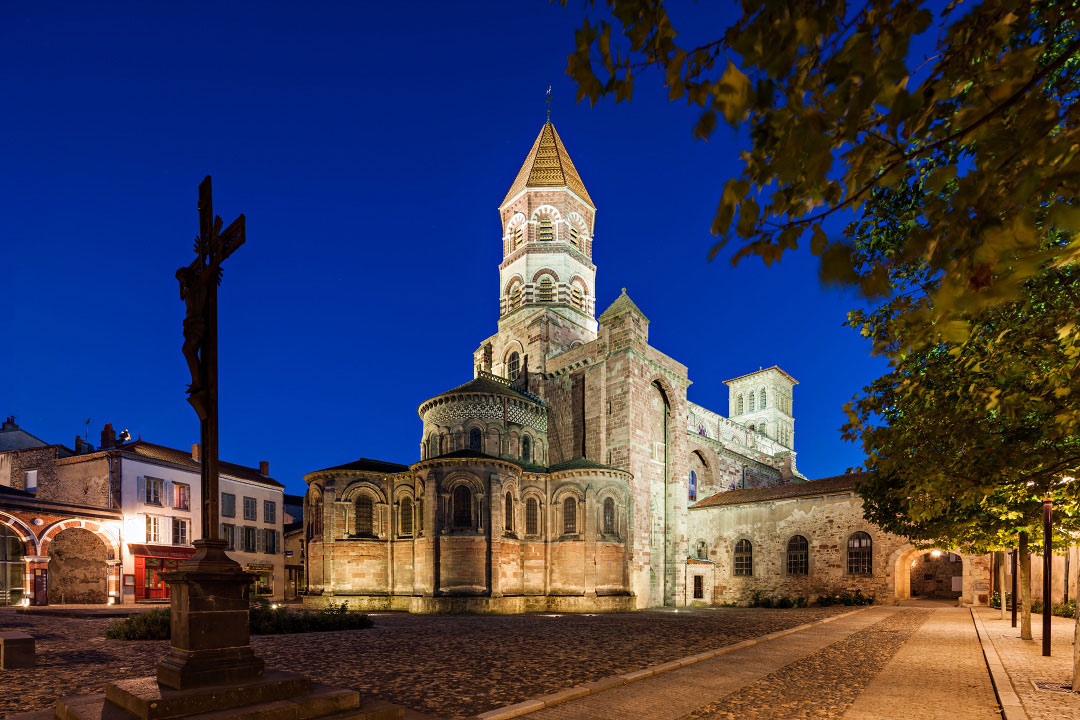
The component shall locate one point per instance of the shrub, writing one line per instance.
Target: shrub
(263, 619)
(844, 598)
(150, 625)
(995, 601)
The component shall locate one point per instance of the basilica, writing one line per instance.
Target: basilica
(572, 472)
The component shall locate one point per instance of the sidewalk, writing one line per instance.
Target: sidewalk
(867, 666)
(1024, 664)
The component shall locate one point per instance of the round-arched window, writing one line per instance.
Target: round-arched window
(526, 449)
(476, 439)
(609, 516)
(462, 507)
(693, 485)
(570, 516)
(513, 365)
(509, 513)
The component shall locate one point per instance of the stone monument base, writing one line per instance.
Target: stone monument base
(276, 695)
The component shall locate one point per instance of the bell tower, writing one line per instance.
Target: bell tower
(547, 280)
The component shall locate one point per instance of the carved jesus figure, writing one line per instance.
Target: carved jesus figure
(193, 293)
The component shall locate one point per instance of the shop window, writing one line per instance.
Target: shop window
(699, 587)
(228, 505)
(462, 499)
(744, 558)
(798, 556)
(609, 516)
(570, 516)
(532, 517)
(860, 554)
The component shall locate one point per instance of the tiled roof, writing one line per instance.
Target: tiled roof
(180, 457)
(622, 304)
(838, 483)
(774, 367)
(363, 464)
(491, 387)
(581, 464)
(548, 165)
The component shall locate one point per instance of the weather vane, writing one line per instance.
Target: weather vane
(549, 104)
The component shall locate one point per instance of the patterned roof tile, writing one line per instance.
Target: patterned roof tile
(548, 164)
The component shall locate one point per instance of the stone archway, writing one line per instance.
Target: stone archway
(78, 567)
(936, 575)
(901, 563)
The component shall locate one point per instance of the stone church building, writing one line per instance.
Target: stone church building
(573, 472)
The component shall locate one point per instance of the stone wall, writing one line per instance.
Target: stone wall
(932, 577)
(78, 569)
(82, 481)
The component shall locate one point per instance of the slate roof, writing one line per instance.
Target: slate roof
(838, 483)
(548, 164)
(622, 304)
(153, 451)
(362, 464)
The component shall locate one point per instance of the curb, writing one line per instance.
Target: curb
(543, 701)
(1011, 707)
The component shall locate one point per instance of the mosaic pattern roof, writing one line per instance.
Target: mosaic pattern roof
(548, 165)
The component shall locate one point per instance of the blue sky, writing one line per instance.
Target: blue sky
(369, 146)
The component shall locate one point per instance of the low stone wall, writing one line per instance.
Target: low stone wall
(507, 605)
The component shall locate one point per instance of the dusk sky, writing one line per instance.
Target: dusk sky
(369, 146)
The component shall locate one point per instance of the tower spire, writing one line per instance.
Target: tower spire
(549, 105)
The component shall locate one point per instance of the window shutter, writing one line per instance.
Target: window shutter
(277, 542)
(167, 494)
(260, 541)
(140, 488)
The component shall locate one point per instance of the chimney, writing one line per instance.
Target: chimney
(9, 424)
(195, 452)
(78, 445)
(108, 437)
(264, 468)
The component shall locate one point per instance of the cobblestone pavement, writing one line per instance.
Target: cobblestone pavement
(691, 691)
(940, 670)
(451, 666)
(1023, 661)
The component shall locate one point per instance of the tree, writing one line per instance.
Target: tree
(837, 107)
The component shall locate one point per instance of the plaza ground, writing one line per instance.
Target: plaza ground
(925, 658)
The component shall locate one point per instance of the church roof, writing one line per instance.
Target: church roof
(622, 304)
(366, 464)
(774, 367)
(548, 165)
(489, 386)
(581, 464)
(745, 496)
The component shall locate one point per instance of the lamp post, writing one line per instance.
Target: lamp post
(1048, 556)
(1013, 588)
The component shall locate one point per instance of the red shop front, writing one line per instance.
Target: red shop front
(150, 561)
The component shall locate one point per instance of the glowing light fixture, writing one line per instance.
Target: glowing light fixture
(935, 553)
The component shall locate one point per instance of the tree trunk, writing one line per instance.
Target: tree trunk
(1025, 587)
(1000, 555)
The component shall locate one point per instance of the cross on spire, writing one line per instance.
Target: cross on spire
(549, 104)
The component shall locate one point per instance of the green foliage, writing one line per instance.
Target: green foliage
(844, 598)
(837, 108)
(995, 601)
(150, 625)
(264, 619)
(758, 598)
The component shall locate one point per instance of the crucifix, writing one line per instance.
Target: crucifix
(198, 289)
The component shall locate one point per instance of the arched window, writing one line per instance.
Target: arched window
(577, 296)
(509, 520)
(532, 517)
(476, 439)
(513, 366)
(545, 229)
(526, 449)
(763, 398)
(575, 235)
(744, 558)
(702, 550)
(570, 516)
(798, 556)
(609, 516)
(406, 516)
(860, 554)
(462, 507)
(545, 291)
(365, 516)
(750, 406)
(693, 485)
(738, 404)
(515, 297)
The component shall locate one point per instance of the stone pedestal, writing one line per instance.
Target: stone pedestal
(210, 640)
(16, 651)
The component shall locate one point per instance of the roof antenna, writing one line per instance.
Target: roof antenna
(549, 105)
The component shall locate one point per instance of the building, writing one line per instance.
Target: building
(101, 525)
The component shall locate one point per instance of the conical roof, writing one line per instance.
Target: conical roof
(548, 165)
(622, 304)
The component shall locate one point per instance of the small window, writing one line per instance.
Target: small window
(153, 490)
(860, 554)
(515, 297)
(228, 505)
(702, 550)
(738, 404)
(181, 496)
(744, 558)
(508, 520)
(570, 516)
(406, 516)
(699, 587)
(526, 449)
(251, 509)
(513, 365)
(545, 291)
(517, 236)
(798, 556)
(475, 439)
(179, 531)
(228, 534)
(693, 486)
(609, 516)
(462, 507)
(153, 529)
(532, 517)
(250, 543)
(545, 230)
(30, 478)
(269, 511)
(751, 402)
(577, 296)
(763, 405)
(365, 516)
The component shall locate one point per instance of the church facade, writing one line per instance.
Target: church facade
(573, 472)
